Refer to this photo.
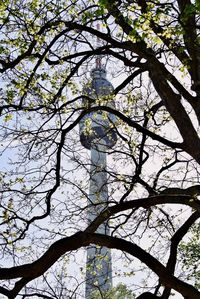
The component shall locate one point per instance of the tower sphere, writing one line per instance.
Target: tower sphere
(97, 128)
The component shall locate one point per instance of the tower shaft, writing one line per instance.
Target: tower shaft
(98, 267)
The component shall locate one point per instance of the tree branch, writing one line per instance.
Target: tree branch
(57, 249)
(175, 240)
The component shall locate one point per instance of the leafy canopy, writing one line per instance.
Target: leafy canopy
(151, 51)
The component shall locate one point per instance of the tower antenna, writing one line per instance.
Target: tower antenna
(98, 58)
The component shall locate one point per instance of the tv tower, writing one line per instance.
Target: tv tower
(97, 134)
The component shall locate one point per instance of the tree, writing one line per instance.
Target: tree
(190, 253)
(118, 292)
(152, 49)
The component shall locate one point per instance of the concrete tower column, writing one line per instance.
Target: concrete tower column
(98, 265)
